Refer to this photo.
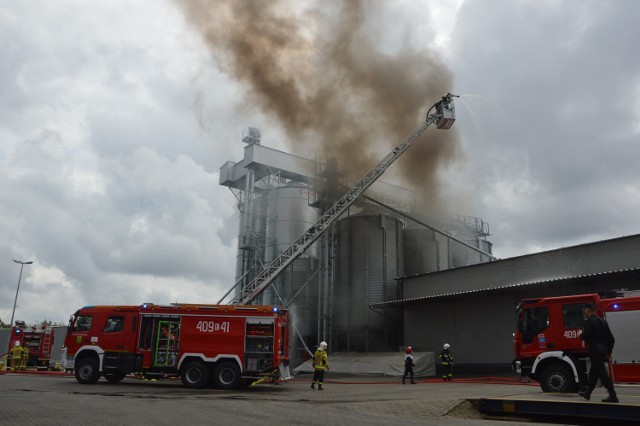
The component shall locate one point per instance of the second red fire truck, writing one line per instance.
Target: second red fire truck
(548, 347)
(228, 345)
(38, 339)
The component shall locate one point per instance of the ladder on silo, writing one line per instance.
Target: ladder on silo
(443, 117)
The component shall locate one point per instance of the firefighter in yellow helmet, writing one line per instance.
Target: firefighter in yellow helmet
(25, 357)
(320, 363)
(16, 356)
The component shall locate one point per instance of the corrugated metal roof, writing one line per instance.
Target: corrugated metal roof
(529, 255)
(490, 289)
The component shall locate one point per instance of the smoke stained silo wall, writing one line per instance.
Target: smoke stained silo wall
(426, 250)
(420, 251)
(369, 254)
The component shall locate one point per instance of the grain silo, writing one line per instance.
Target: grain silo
(357, 262)
(288, 215)
(440, 246)
(369, 253)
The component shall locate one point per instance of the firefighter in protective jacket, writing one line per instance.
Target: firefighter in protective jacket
(25, 357)
(320, 363)
(16, 356)
(447, 363)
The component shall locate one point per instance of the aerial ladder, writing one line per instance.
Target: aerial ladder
(443, 117)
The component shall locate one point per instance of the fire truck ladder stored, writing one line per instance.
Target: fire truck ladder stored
(444, 117)
(46, 342)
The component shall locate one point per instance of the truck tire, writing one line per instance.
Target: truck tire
(87, 371)
(114, 378)
(227, 375)
(558, 378)
(195, 375)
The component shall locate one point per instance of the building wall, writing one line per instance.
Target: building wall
(479, 330)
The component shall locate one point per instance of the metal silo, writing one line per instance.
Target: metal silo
(369, 253)
(288, 217)
(431, 249)
(462, 255)
(420, 251)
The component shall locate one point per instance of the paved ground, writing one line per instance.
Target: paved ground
(55, 399)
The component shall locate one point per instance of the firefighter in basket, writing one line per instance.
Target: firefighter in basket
(447, 363)
(320, 363)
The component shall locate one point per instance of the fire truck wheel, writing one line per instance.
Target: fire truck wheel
(227, 376)
(114, 378)
(557, 378)
(87, 371)
(195, 375)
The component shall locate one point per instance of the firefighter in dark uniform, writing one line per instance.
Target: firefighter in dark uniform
(408, 365)
(447, 363)
(599, 339)
(320, 363)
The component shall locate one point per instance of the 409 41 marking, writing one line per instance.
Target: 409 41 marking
(213, 326)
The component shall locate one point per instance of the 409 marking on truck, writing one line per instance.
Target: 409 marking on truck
(572, 334)
(213, 326)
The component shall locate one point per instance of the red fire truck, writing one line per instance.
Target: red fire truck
(233, 345)
(39, 340)
(548, 347)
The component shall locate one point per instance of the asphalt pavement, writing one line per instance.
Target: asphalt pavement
(57, 399)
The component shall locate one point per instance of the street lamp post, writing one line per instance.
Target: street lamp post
(15, 301)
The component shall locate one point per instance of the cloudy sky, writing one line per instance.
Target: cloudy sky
(115, 117)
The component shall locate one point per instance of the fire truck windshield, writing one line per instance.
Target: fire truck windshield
(81, 323)
(534, 321)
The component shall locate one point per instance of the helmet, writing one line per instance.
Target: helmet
(408, 350)
(17, 343)
(447, 346)
(322, 346)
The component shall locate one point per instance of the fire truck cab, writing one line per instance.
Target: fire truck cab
(548, 347)
(232, 345)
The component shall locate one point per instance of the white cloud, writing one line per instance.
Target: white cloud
(556, 87)
(106, 180)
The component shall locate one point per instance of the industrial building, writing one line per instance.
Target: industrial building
(356, 263)
(387, 275)
(473, 308)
